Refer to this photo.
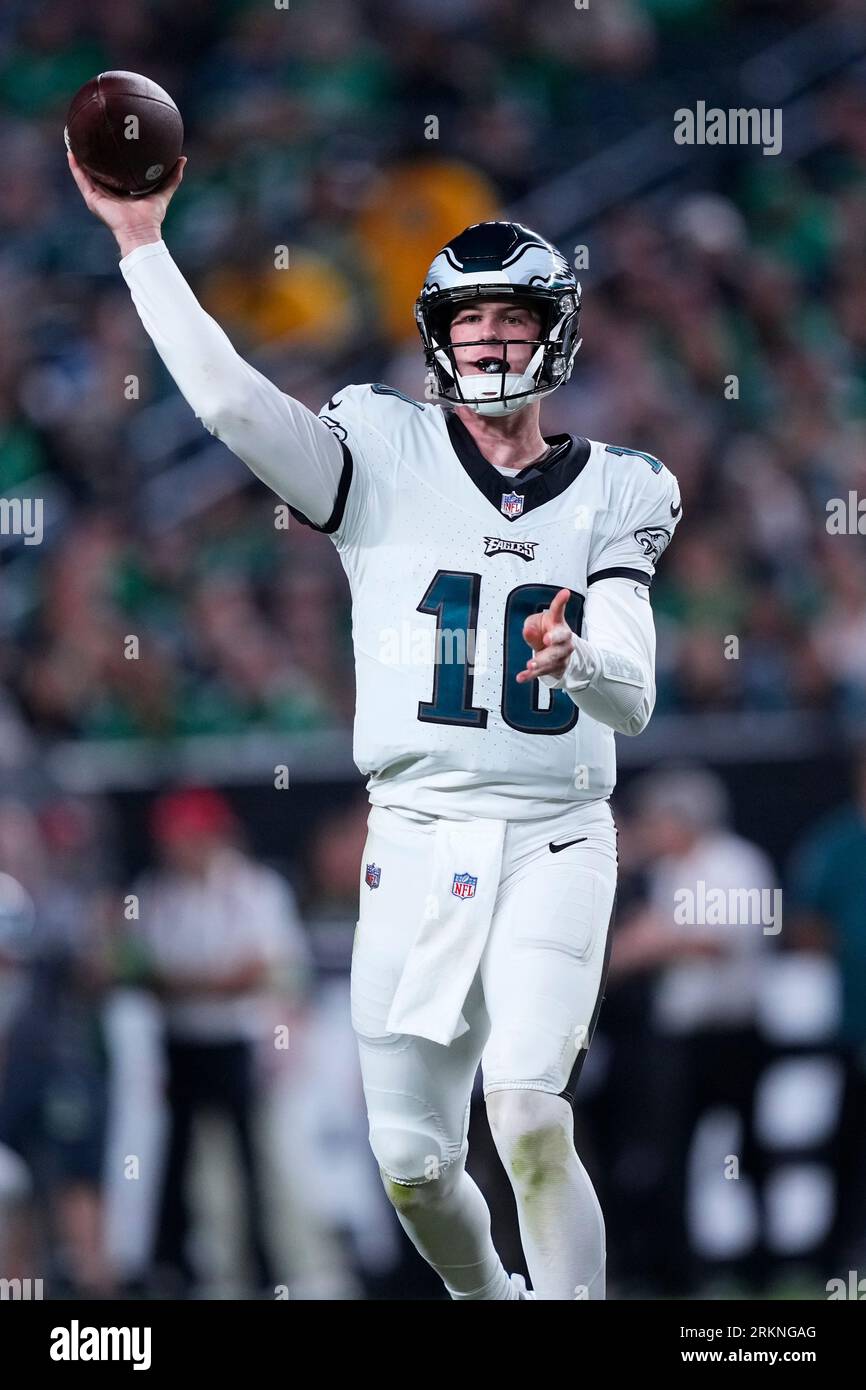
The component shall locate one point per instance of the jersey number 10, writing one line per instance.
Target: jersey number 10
(453, 598)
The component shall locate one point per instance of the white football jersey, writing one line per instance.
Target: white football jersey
(446, 558)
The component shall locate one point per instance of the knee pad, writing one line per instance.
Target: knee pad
(413, 1152)
(407, 1194)
(410, 1139)
(406, 1155)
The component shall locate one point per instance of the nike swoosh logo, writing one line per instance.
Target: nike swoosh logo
(554, 849)
(675, 510)
(333, 403)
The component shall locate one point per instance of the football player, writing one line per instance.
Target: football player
(503, 633)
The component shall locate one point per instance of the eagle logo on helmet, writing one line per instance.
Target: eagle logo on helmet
(494, 260)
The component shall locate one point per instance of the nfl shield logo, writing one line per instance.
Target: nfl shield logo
(464, 886)
(372, 876)
(511, 504)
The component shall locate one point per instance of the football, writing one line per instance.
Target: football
(125, 131)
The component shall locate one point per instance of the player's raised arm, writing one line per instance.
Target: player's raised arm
(283, 442)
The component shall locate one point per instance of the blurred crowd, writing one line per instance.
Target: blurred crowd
(724, 330)
(180, 1104)
(181, 1111)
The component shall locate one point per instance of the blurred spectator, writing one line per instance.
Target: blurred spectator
(343, 1187)
(216, 931)
(53, 1086)
(702, 934)
(828, 891)
(412, 210)
(17, 911)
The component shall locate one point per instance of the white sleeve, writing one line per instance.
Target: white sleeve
(611, 672)
(283, 442)
(637, 527)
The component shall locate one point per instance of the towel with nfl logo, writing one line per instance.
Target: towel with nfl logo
(441, 965)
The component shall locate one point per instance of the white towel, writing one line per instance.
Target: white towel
(444, 957)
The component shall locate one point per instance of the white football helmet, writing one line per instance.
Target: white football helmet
(494, 260)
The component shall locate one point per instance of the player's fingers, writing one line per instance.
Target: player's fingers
(95, 197)
(83, 180)
(175, 178)
(550, 662)
(533, 631)
(528, 674)
(560, 633)
(531, 674)
(556, 611)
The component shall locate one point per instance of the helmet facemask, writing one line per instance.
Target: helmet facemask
(498, 391)
(499, 261)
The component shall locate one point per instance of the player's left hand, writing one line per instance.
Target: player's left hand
(549, 636)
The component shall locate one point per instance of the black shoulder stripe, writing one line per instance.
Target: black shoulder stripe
(336, 516)
(639, 576)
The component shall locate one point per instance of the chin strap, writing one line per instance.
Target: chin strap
(507, 385)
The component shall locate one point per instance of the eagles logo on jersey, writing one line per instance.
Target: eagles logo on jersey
(653, 540)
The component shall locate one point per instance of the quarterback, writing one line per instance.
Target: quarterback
(523, 563)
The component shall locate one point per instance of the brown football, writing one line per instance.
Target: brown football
(125, 131)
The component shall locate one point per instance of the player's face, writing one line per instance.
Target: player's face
(491, 330)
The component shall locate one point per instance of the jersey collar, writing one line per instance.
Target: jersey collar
(536, 484)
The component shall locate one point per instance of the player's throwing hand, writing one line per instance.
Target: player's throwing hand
(134, 221)
(550, 638)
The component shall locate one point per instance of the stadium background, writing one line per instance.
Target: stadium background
(311, 127)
